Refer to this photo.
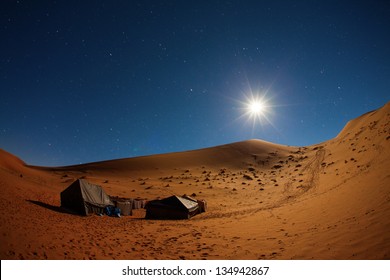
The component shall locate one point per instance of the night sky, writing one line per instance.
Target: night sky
(84, 81)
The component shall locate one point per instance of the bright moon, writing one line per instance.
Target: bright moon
(256, 107)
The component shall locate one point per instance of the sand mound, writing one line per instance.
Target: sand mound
(9, 162)
(266, 201)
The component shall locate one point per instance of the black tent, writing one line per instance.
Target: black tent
(173, 207)
(85, 198)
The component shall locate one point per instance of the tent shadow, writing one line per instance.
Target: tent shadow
(58, 209)
(48, 206)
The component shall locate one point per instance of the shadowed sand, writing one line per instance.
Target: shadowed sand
(266, 201)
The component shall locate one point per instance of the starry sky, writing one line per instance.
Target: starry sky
(84, 81)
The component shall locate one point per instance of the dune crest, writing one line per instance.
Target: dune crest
(266, 201)
(10, 162)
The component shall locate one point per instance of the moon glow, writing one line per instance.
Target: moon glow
(256, 107)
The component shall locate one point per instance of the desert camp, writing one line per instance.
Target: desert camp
(85, 198)
(265, 201)
(122, 121)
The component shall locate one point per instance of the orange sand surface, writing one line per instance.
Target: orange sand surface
(265, 201)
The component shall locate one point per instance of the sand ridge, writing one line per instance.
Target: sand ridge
(266, 201)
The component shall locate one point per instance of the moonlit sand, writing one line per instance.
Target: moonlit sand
(265, 201)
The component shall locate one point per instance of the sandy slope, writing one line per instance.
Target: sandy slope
(266, 201)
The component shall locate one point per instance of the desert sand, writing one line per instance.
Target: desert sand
(265, 201)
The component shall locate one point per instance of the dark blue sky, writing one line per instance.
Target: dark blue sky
(84, 81)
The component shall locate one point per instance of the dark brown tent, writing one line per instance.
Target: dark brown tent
(85, 198)
(171, 208)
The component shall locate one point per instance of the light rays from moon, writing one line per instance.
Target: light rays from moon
(256, 108)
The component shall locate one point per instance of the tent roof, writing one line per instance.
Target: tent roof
(175, 202)
(189, 204)
(94, 194)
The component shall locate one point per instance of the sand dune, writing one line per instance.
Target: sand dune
(266, 201)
